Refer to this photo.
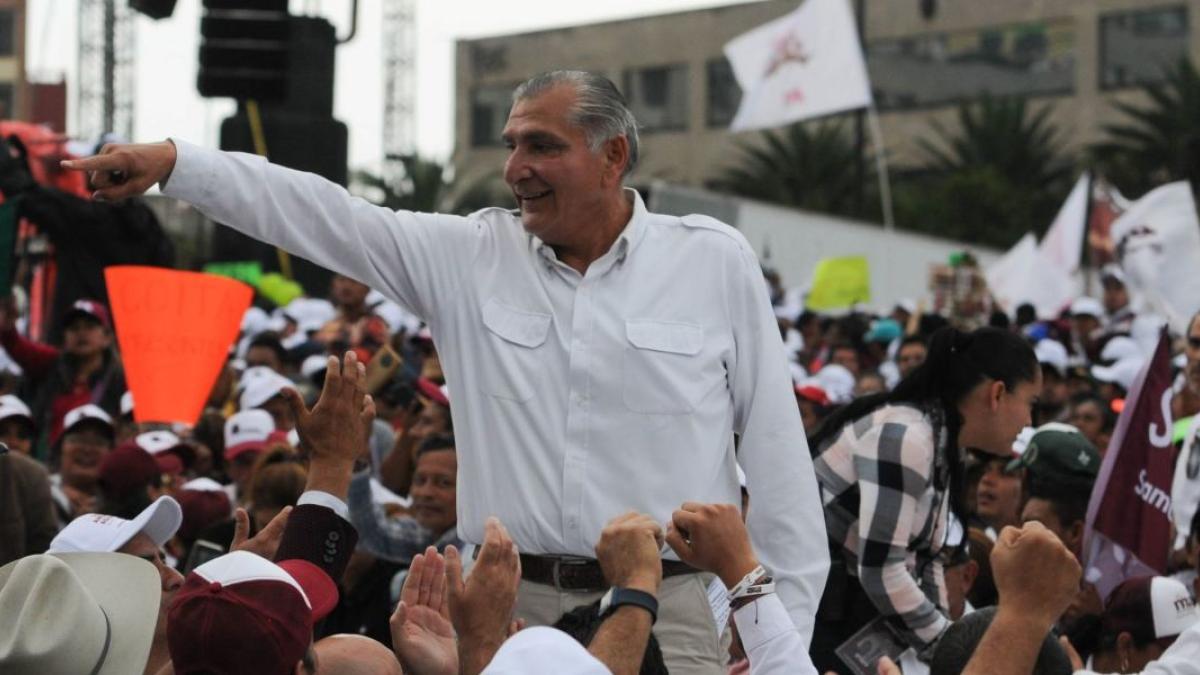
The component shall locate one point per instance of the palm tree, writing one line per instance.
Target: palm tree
(428, 185)
(1156, 142)
(808, 166)
(997, 175)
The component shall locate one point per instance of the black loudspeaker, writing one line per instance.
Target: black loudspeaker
(244, 48)
(155, 9)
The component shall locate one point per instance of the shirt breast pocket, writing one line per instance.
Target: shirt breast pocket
(515, 338)
(662, 365)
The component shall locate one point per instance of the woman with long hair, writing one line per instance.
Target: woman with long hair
(890, 471)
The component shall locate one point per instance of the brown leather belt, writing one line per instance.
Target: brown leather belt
(567, 573)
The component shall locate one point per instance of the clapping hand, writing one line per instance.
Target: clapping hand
(481, 607)
(421, 632)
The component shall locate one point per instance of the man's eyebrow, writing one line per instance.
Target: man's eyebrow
(532, 137)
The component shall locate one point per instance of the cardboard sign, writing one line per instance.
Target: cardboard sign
(174, 329)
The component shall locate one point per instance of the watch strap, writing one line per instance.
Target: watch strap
(617, 597)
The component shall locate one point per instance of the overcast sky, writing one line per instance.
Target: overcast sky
(166, 99)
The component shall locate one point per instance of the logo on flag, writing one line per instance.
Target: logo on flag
(803, 65)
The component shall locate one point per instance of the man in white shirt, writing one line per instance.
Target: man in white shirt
(604, 355)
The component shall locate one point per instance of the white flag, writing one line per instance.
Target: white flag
(1063, 243)
(1022, 275)
(1158, 245)
(803, 65)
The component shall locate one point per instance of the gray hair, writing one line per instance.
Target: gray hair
(600, 109)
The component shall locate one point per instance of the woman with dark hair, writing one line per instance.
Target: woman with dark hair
(890, 469)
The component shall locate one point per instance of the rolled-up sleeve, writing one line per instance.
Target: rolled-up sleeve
(394, 539)
(786, 522)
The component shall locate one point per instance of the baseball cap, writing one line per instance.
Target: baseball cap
(99, 533)
(883, 330)
(201, 508)
(838, 383)
(168, 450)
(1058, 452)
(248, 431)
(811, 391)
(1122, 373)
(1052, 353)
(1113, 271)
(242, 613)
(259, 385)
(127, 469)
(91, 309)
(1120, 347)
(542, 649)
(88, 413)
(78, 613)
(430, 390)
(1149, 609)
(1085, 306)
(11, 406)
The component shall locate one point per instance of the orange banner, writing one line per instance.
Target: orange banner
(174, 329)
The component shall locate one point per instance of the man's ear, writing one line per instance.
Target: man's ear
(616, 158)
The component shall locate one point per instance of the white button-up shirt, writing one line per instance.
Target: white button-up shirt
(575, 397)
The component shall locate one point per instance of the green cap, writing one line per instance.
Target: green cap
(1058, 450)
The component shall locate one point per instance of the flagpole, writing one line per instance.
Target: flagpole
(885, 182)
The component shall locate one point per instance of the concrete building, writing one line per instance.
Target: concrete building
(1075, 56)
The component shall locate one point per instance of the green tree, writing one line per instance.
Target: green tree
(998, 173)
(1154, 142)
(429, 186)
(808, 166)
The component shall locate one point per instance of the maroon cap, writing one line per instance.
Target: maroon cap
(91, 308)
(241, 613)
(430, 390)
(201, 509)
(127, 470)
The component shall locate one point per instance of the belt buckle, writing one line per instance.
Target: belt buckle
(559, 563)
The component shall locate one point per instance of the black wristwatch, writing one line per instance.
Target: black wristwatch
(616, 597)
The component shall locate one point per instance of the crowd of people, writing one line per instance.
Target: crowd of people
(665, 464)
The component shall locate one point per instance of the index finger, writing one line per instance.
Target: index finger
(110, 162)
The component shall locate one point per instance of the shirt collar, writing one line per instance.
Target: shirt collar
(630, 237)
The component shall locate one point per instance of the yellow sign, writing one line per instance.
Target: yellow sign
(839, 283)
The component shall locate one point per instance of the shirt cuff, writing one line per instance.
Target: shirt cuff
(189, 177)
(761, 621)
(321, 498)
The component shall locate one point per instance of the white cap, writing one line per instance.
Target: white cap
(86, 413)
(255, 320)
(1120, 347)
(11, 406)
(542, 650)
(310, 313)
(1173, 607)
(1113, 271)
(1087, 306)
(155, 442)
(203, 484)
(126, 403)
(1122, 372)
(907, 304)
(247, 430)
(313, 365)
(98, 533)
(1052, 353)
(837, 382)
(258, 386)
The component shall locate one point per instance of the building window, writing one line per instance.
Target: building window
(8, 32)
(1136, 47)
(943, 68)
(489, 112)
(658, 97)
(724, 94)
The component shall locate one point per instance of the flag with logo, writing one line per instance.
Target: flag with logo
(1128, 530)
(803, 65)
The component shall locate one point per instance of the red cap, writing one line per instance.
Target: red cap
(813, 394)
(241, 613)
(201, 509)
(430, 390)
(91, 308)
(126, 470)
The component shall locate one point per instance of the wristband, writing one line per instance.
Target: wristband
(750, 579)
(616, 597)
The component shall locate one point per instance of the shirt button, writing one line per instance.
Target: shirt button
(572, 523)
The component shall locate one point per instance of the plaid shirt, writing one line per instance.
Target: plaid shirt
(397, 539)
(883, 487)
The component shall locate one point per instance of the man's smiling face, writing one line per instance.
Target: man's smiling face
(556, 178)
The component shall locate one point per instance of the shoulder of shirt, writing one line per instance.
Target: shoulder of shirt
(494, 214)
(901, 413)
(705, 226)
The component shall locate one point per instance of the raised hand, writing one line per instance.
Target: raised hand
(421, 632)
(126, 170)
(338, 426)
(629, 552)
(266, 542)
(712, 537)
(481, 607)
